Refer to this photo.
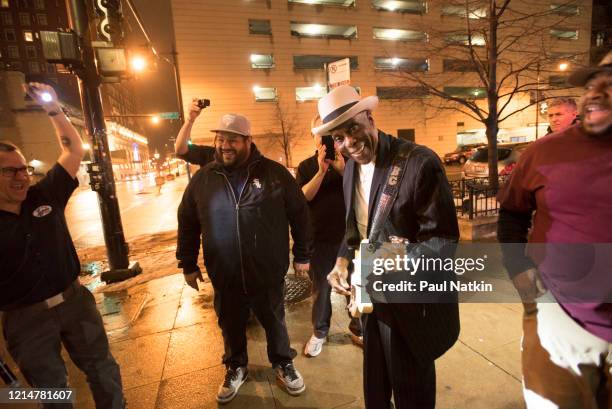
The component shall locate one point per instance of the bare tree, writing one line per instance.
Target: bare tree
(285, 136)
(502, 48)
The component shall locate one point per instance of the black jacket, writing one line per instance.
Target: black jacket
(424, 213)
(245, 239)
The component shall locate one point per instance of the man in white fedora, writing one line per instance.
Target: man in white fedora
(243, 204)
(401, 340)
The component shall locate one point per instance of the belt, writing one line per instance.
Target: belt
(54, 301)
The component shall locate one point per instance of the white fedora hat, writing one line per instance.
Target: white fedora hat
(340, 105)
(234, 123)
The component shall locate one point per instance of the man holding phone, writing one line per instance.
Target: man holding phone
(320, 178)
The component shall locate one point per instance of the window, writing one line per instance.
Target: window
(564, 34)
(30, 51)
(24, 4)
(323, 30)
(565, 9)
(260, 27)
(309, 93)
(398, 35)
(404, 64)
(265, 94)
(466, 92)
(9, 35)
(315, 62)
(24, 19)
(262, 61)
(461, 10)
(558, 81)
(341, 3)
(478, 39)
(7, 19)
(39, 4)
(34, 67)
(13, 51)
(401, 92)
(14, 65)
(4, 3)
(458, 65)
(413, 7)
(42, 19)
(28, 36)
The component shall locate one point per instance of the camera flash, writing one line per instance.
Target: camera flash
(45, 96)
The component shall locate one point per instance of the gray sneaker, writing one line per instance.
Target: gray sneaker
(290, 378)
(234, 378)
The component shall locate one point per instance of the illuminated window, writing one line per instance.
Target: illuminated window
(565, 9)
(466, 92)
(262, 61)
(310, 93)
(323, 30)
(458, 65)
(404, 64)
(341, 3)
(478, 39)
(401, 92)
(24, 19)
(316, 62)
(265, 94)
(414, 7)
(260, 27)
(564, 34)
(398, 34)
(4, 3)
(461, 10)
(28, 36)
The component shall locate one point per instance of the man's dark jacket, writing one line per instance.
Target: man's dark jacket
(424, 213)
(245, 238)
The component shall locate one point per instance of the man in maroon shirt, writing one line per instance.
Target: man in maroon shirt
(566, 179)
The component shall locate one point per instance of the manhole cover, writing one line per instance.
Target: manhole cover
(296, 289)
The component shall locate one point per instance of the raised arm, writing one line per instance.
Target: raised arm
(67, 135)
(181, 145)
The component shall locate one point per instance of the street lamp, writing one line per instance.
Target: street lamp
(138, 63)
(155, 119)
(563, 66)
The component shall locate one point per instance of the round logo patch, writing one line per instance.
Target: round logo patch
(42, 211)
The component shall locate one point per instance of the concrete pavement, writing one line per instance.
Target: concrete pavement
(165, 337)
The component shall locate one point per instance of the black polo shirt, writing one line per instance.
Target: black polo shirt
(37, 257)
(327, 207)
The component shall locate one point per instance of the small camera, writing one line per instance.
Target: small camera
(203, 103)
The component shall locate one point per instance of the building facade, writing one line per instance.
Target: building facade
(264, 59)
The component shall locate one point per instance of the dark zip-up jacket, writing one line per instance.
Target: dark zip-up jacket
(245, 239)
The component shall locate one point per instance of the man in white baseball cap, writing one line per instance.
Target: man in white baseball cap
(401, 340)
(242, 205)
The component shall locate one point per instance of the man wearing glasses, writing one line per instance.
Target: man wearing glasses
(401, 341)
(242, 205)
(43, 305)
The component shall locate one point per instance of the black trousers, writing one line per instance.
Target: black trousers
(35, 338)
(233, 307)
(389, 367)
(321, 263)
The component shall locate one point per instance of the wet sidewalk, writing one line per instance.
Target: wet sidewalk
(165, 337)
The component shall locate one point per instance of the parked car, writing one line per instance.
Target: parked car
(460, 155)
(478, 165)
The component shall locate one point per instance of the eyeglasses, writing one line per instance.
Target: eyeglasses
(11, 172)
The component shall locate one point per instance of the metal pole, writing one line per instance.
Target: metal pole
(103, 181)
(537, 104)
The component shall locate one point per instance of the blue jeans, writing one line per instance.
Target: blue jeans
(34, 340)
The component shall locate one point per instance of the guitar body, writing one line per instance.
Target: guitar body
(358, 306)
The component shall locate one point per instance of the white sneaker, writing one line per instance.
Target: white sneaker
(290, 378)
(234, 378)
(314, 346)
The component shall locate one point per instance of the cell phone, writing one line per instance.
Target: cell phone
(330, 151)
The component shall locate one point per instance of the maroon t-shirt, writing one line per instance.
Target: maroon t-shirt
(566, 178)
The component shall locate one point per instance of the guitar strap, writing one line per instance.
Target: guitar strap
(390, 190)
